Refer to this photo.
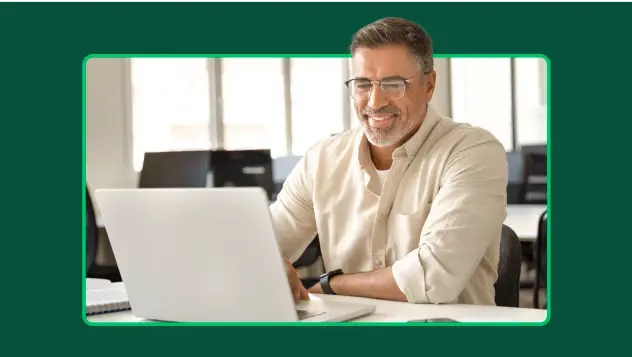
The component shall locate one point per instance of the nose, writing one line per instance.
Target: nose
(377, 98)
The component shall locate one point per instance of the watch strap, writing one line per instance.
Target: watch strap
(324, 281)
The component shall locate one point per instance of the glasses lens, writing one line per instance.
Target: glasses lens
(393, 88)
(360, 88)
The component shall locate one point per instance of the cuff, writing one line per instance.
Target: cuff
(409, 277)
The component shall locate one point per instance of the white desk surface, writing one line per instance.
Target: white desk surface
(523, 219)
(392, 311)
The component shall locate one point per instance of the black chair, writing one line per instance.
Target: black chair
(92, 233)
(540, 260)
(310, 256)
(515, 182)
(535, 175)
(507, 287)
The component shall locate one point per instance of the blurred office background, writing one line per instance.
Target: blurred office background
(144, 105)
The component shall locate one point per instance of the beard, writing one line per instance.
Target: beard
(398, 128)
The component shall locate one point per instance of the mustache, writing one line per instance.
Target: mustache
(387, 109)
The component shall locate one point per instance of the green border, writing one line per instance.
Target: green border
(304, 324)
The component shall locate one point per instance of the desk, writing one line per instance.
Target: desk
(392, 311)
(524, 220)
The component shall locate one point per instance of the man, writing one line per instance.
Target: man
(408, 207)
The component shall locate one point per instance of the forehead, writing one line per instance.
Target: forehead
(382, 62)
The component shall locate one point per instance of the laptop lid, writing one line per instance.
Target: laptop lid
(197, 254)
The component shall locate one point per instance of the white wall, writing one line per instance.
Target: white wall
(108, 122)
(108, 161)
(441, 98)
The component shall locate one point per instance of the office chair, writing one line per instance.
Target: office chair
(540, 260)
(515, 182)
(507, 286)
(92, 233)
(535, 176)
(308, 258)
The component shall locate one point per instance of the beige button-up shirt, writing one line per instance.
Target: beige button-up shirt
(437, 220)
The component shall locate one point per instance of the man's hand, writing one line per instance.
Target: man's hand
(298, 290)
(316, 289)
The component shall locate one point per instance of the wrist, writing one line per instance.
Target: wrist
(334, 283)
(316, 289)
(325, 281)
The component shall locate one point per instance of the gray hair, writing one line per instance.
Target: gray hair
(397, 31)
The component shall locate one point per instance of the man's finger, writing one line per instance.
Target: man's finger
(304, 294)
(295, 289)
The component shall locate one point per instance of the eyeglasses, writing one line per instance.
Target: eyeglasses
(393, 88)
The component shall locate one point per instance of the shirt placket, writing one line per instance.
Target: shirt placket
(379, 235)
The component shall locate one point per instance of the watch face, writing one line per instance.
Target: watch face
(331, 273)
(336, 272)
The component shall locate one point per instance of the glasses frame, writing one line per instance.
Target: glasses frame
(379, 83)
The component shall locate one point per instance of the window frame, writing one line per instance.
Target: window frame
(516, 145)
(216, 113)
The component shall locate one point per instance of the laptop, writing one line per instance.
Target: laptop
(205, 255)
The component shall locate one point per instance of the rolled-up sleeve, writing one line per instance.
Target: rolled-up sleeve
(465, 218)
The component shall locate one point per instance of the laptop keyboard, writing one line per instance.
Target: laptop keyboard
(304, 314)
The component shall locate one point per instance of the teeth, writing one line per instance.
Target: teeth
(380, 117)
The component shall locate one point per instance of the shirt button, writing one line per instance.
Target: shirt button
(378, 263)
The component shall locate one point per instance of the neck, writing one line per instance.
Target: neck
(382, 156)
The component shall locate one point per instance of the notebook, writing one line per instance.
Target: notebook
(92, 283)
(106, 298)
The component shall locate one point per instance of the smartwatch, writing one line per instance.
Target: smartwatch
(324, 281)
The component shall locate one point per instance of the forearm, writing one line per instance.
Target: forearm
(376, 284)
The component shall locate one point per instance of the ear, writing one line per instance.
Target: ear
(430, 81)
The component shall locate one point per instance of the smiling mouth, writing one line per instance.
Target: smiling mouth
(380, 120)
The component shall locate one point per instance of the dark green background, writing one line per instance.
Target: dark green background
(42, 47)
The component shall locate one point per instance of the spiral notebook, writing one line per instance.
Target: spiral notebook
(106, 299)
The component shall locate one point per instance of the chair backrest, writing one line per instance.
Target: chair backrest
(535, 176)
(540, 259)
(542, 231)
(310, 255)
(92, 234)
(507, 286)
(515, 183)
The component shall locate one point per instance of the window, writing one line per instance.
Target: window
(317, 95)
(253, 100)
(354, 121)
(531, 106)
(173, 101)
(441, 96)
(170, 105)
(482, 95)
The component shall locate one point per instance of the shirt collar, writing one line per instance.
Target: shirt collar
(409, 149)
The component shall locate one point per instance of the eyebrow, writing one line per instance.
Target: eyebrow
(382, 79)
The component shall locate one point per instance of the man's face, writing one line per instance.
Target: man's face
(389, 117)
